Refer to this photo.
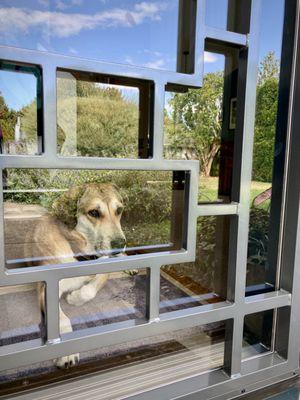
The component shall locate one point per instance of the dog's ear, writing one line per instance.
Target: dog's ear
(65, 207)
(121, 193)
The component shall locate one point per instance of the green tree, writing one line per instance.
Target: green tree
(104, 122)
(8, 120)
(269, 68)
(265, 122)
(196, 121)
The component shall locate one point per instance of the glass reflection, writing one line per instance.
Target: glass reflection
(100, 119)
(104, 299)
(21, 316)
(265, 204)
(57, 216)
(131, 32)
(180, 354)
(20, 109)
(258, 330)
(205, 280)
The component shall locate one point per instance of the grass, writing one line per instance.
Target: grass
(208, 190)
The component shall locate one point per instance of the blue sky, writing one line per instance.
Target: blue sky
(126, 31)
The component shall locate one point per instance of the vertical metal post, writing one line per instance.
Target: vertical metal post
(187, 12)
(52, 311)
(158, 131)
(245, 21)
(145, 141)
(153, 293)
(49, 104)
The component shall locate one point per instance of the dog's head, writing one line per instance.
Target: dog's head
(94, 210)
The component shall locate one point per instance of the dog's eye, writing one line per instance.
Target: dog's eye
(119, 210)
(94, 213)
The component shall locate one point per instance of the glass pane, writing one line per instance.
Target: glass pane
(20, 109)
(131, 32)
(21, 316)
(100, 119)
(262, 248)
(205, 280)
(166, 357)
(55, 216)
(103, 299)
(258, 330)
(194, 130)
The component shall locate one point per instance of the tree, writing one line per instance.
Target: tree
(269, 68)
(97, 120)
(8, 119)
(196, 120)
(265, 122)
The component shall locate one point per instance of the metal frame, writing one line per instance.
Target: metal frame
(237, 376)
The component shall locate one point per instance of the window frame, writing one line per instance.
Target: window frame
(284, 360)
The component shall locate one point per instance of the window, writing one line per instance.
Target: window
(125, 219)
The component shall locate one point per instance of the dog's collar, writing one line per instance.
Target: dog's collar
(86, 257)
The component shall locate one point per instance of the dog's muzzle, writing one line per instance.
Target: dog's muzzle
(117, 246)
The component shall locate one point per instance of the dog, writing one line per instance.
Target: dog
(85, 224)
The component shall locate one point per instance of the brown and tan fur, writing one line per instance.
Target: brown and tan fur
(86, 221)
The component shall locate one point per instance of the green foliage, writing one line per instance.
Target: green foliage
(266, 114)
(269, 68)
(105, 124)
(147, 195)
(196, 120)
(258, 236)
(8, 119)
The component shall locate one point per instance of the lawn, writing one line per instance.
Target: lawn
(208, 189)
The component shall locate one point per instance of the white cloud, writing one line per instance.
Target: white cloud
(153, 53)
(155, 64)
(72, 50)
(21, 20)
(210, 57)
(129, 60)
(40, 47)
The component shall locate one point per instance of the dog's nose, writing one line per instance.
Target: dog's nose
(118, 245)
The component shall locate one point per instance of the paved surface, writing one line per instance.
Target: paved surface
(290, 394)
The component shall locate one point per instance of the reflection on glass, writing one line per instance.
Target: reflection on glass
(100, 119)
(57, 216)
(258, 329)
(132, 32)
(21, 317)
(194, 130)
(103, 299)
(166, 357)
(264, 225)
(20, 109)
(205, 280)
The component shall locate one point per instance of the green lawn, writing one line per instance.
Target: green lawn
(208, 189)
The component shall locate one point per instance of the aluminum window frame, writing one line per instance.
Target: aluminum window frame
(237, 374)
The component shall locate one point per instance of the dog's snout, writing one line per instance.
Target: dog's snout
(118, 244)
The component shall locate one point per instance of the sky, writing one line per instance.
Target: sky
(135, 32)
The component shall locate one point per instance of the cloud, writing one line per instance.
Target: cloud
(59, 24)
(129, 60)
(155, 64)
(72, 50)
(40, 47)
(210, 57)
(153, 53)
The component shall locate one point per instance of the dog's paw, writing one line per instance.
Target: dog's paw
(67, 361)
(81, 296)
